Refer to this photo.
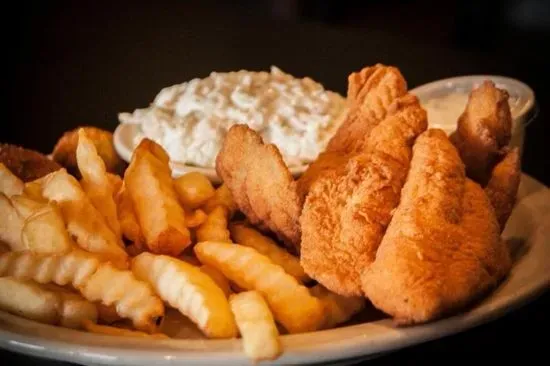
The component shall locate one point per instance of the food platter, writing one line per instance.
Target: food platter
(397, 233)
(527, 232)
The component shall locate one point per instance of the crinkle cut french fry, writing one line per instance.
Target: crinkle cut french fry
(256, 325)
(188, 289)
(218, 277)
(9, 183)
(129, 224)
(83, 220)
(44, 229)
(291, 303)
(11, 224)
(109, 330)
(107, 314)
(195, 218)
(193, 189)
(28, 300)
(245, 235)
(215, 226)
(338, 309)
(148, 180)
(95, 280)
(116, 182)
(222, 197)
(95, 182)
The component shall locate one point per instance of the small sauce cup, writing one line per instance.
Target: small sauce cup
(446, 99)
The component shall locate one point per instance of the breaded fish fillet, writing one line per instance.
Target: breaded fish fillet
(347, 210)
(503, 186)
(483, 130)
(26, 164)
(370, 93)
(442, 249)
(261, 184)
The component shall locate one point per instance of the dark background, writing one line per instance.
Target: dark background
(73, 63)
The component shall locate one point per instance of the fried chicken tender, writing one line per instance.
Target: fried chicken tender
(442, 249)
(261, 184)
(483, 131)
(26, 164)
(347, 210)
(370, 93)
(64, 151)
(503, 186)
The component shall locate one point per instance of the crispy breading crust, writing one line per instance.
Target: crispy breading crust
(261, 185)
(503, 186)
(26, 164)
(483, 131)
(442, 249)
(371, 91)
(347, 210)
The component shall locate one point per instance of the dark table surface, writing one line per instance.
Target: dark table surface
(71, 64)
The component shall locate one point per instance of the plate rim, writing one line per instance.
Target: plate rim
(351, 341)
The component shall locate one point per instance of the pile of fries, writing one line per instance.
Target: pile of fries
(110, 254)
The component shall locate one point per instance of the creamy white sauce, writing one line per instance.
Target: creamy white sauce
(190, 120)
(444, 111)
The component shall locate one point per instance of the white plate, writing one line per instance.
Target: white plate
(528, 229)
(123, 139)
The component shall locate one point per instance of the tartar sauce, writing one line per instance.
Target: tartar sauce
(190, 120)
(444, 111)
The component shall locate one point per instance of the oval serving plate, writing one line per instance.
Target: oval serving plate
(527, 232)
(123, 138)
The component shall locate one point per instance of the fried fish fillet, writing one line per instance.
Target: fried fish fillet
(442, 249)
(26, 164)
(370, 93)
(482, 139)
(483, 130)
(347, 210)
(503, 186)
(261, 184)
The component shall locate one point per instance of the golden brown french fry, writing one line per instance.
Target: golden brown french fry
(215, 226)
(43, 229)
(95, 281)
(83, 220)
(222, 197)
(291, 303)
(195, 218)
(160, 216)
(28, 300)
(338, 309)
(74, 308)
(245, 235)
(11, 224)
(114, 331)
(116, 182)
(95, 181)
(188, 289)
(107, 314)
(191, 259)
(193, 189)
(47, 304)
(128, 220)
(255, 321)
(33, 189)
(218, 277)
(9, 183)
